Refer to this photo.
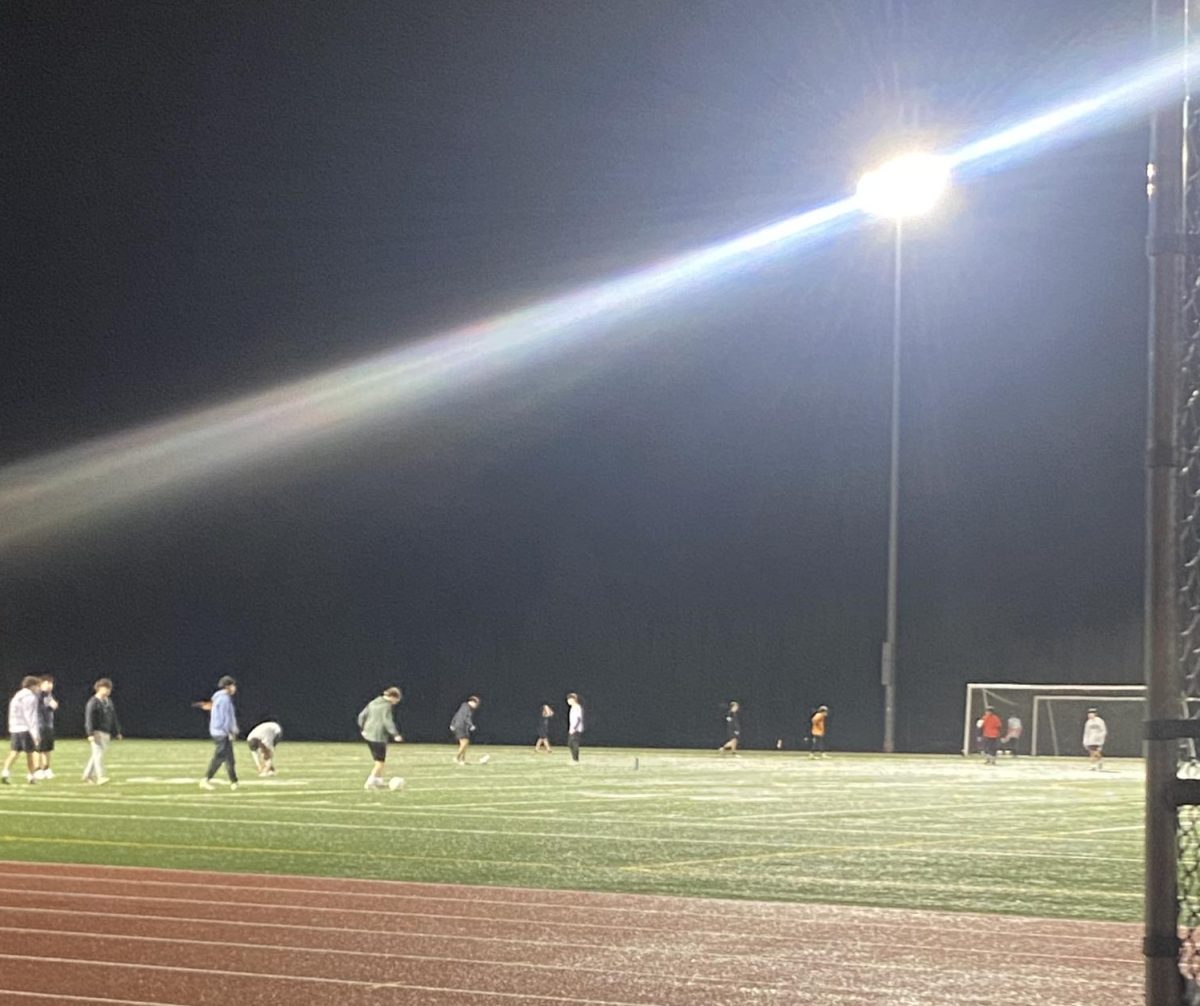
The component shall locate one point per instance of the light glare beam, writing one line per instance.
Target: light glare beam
(41, 494)
(61, 488)
(1115, 103)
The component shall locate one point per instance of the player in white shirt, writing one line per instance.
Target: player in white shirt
(1095, 733)
(23, 728)
(263, 740)
(574, 726)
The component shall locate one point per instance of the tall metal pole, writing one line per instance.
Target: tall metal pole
(890, 660)
(1166, 246)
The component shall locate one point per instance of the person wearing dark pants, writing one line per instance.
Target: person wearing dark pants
(47, 703)
(574, 726)
(223, 728)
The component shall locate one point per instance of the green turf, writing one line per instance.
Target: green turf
(1036, 838)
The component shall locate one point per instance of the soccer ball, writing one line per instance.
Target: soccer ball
(485, 759)
(395, 783)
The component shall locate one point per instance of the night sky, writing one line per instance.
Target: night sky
(200, 200)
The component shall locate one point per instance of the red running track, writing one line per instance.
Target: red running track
(73, 935)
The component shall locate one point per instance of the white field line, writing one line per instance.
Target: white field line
(752, 987)
(816, 989)
(207, 972)
(869, 808)
(1068, 836)
(923, 925)
(1046, 840)
(383, 955)
(86, 999)
(725, 932)
(246, 822)
(476, 896)
(545, 869)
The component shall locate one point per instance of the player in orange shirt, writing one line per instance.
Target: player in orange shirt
(818, 732)
(989, 727)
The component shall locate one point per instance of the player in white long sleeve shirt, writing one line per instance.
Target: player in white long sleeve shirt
(262, 741)
(23, 728)
(574, 725)
(1095, 733)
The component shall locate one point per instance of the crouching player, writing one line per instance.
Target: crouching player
(262, 741)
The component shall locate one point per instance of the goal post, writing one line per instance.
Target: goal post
(1050, 710)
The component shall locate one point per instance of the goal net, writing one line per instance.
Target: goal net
(1048, 719)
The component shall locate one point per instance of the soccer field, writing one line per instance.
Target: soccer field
(1044, 837)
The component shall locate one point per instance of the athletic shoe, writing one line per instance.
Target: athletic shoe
(205, 784)
(30, 778)
(39, 774)
(102, 780)
(233, 787)
(48, 774)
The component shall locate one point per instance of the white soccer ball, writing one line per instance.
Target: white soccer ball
(485, 759)
(395, 783)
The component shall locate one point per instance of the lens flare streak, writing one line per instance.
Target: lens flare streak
(56, 490)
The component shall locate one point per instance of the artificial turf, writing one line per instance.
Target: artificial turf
(1045, 837)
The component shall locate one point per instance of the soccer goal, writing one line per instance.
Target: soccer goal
(1048, 719)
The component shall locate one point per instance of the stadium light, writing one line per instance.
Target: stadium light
(906, 186)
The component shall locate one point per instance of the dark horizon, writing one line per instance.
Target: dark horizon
(687, 507)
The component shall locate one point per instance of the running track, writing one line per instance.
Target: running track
(73, 935)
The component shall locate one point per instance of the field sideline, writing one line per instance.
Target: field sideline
(1037, 838)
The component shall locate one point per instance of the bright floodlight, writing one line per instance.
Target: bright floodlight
(906, 186)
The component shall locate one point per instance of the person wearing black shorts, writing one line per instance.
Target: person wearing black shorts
(23, 729)
(377, 725)
(462, 726)
(47, 703)
(543, 740)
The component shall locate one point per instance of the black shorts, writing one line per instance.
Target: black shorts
(45, 743)
(22, 741)
(378, 750)
(462, 735)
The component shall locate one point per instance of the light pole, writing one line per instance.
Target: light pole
(906, 186)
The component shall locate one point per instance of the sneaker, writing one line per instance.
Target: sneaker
(233, 787)
(31, 778)
(206, 784)
(48, 774)
(102, 781)
(373, 782)
(39, 774)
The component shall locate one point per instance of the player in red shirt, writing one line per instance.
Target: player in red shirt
(989, 727)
